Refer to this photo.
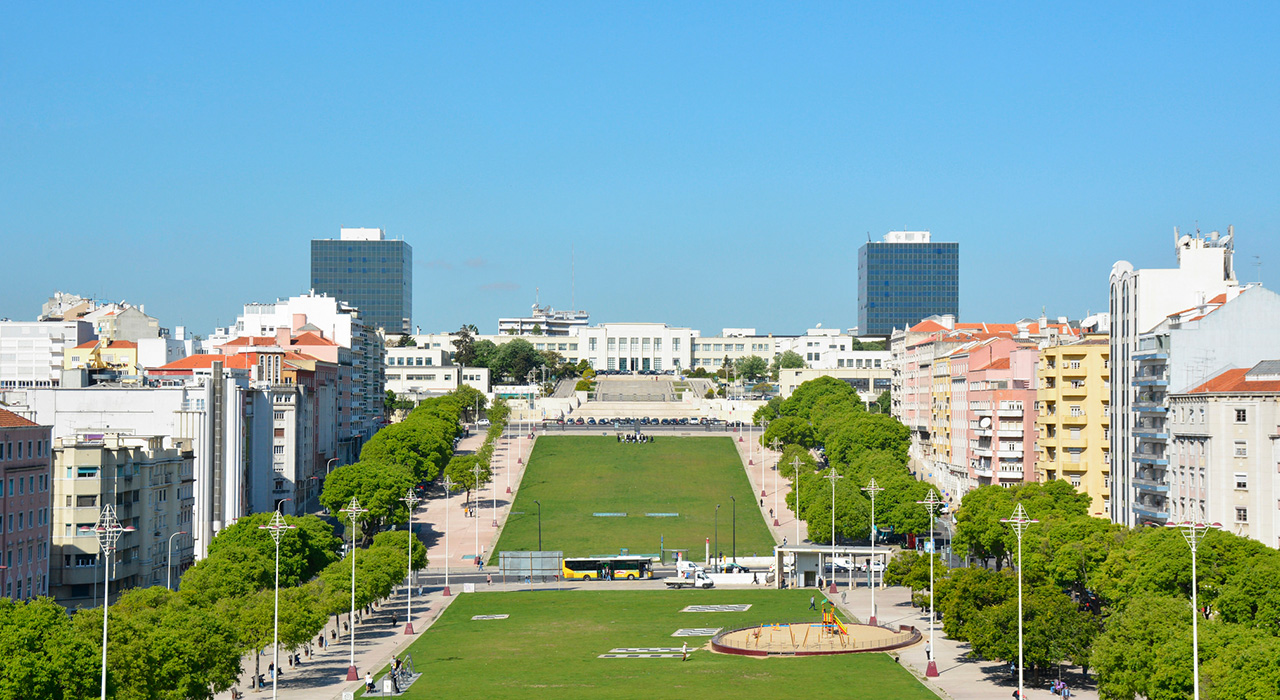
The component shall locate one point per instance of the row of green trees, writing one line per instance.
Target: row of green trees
(1111, 599)
(469, 472)
(189, 643)
(859, 445)
(513, 360)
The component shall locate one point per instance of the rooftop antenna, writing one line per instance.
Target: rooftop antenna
(1257, 262)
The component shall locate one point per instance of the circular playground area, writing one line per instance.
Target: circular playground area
(831, 636)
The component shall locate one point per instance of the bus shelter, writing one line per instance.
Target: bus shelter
(800, 566)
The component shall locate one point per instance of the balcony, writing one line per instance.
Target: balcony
(1079, 442)
(1010, 454)
(1151, 433)
(1149, 407)
(983, 472)
(1150, 486)
(1075, 420)
(1075, 391)
(1153, 512)
(1151, 459)
(1150, 381)
(982, 452)
(1081, 371)
(1147, 355)
(1011, 475)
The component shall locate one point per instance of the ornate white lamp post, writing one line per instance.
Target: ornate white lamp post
(931, 503)
(277, 527)
(833, 477)
(354, 513)
(410, 501)
(109, 530)
(776, 506)
(872, 488)
(795, 464)
(1019, 522)
(1194, 531)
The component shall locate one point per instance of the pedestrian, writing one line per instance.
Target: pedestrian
(770, 513)
(842, 597)
(393, 619)
(488, 579)
(811, 603)
(684, 651)
(368, 682)
(928, 651)
(761, 502)
(271, 671)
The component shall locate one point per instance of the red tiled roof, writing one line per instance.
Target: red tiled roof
(205, 362)
(1233, 381)
(1220, 299)
(122, 344)
(1001, 363)
(9, 419)
(311, 338)
(251, 340)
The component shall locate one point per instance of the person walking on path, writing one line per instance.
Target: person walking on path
(928, 651)
(811, 603)
(684, 651)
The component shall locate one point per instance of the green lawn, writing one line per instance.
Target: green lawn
(549, 645)
(575, 477)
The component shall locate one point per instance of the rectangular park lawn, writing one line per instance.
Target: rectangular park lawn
(575, 477)
(549, 645)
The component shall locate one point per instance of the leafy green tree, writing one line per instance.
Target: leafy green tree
(584, 385)
(969, 591)
(417, 445)
(462, 471)
(790, 430)
(515, 359)
(41, 654)
(769, 411)
(1054, 630)
(464, 346)
(163, 647)
(884, 404)
(802, 401)
(762, 388)
(406, 341)
(853, 512)
(1145, 651)
(1244, 663)
(303, 552)
(230, 571)
(252, 618)
(378, 485)
(486, 351)
(752, 367)
(787, 360)
(979, 532)
(1252, 597)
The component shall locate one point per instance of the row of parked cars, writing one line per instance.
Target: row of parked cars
(636, 372)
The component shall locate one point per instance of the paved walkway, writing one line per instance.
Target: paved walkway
(960, 676)
(761, 465)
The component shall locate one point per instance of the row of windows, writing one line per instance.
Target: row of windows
(24, 486)
(400, 361)
(31, 518)
(35, 448)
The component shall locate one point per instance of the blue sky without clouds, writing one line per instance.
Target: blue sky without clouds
(712, 165)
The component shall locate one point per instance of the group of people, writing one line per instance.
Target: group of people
(634, 437)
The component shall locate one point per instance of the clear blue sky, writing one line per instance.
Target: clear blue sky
(713, 164)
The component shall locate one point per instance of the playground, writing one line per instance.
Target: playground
(830, 635)
(600, 496)
(632, 644)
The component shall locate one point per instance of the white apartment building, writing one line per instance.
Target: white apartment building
(417, 372)
(1140, 300)
(1224, 452)
(31, 352)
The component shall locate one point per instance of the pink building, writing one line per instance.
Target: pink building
(25, 505)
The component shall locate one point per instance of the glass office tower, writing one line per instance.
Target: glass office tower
(369, 272)
(904, 279)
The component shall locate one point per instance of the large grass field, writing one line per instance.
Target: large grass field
(575, 477)
(549, 645)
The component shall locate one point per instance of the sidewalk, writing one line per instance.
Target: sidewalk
(960, 676)
(776, 488)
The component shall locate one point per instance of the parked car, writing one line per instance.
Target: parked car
(735, 568)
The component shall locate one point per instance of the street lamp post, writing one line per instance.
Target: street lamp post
(476, 514)
(1020, 522)
(411, 502)
(716, 551)
(931, 503)
(872, 488)
(448, 488)
(539, 504)
(109, 530)
(506, 456)
(1194, 531)
(735, 529)
(168, 562)
(277, 527)
(353, 512)
(833, 477)
(759, 447)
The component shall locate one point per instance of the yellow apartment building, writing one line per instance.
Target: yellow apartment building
(1073, 397)
(103, 354)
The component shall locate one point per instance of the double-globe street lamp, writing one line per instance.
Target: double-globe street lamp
(108, 530)
(1019, 522)
(872, 488)
(276, 528)
(448, 489)
(411, 502)
(354, 513)
(931, 503)
(1194, 531)
(833, 477)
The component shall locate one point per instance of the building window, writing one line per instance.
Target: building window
(1242, 415)
(1242, 515)
(1242, 448)
(1242, 480)
(1075, 481)
(1076, 410)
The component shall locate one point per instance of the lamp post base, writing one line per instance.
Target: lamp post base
(508, 489)
(408, 628)
(445, 592)
(495, 523)
(751, 463)
(872, 621)
(832, 588)
(352, 673)
(775, 522)
(932, 670)
(762, 494)
(519, 460)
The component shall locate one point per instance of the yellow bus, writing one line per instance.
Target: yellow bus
(608, 568)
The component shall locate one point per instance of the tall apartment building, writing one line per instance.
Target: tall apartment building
(32, 352)
(25, 501)
(150, 482)
(1140, 300)
(1235, 329)
(326, 329)
(905, 278)
(1224, 452)
(1074, 418)
(362, 268)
